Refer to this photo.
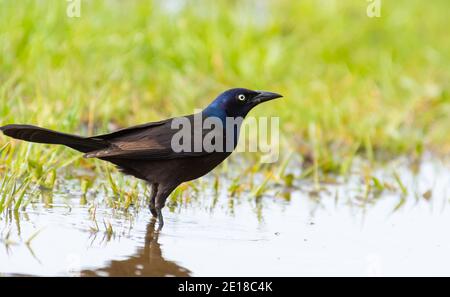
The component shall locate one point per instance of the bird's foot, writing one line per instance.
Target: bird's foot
(160, 219)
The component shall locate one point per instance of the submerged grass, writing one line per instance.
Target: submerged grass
(353, 85)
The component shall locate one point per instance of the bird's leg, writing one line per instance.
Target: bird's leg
(163, 193)
(152, 207)
(160, 219)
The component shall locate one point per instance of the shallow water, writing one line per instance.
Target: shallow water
(338, 230)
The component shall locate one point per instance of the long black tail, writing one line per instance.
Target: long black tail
(41, 135)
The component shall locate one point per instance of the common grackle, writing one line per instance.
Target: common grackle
(149, 151)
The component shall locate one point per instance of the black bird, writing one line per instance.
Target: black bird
(146, 151)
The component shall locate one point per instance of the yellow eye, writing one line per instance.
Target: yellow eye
(241, 97)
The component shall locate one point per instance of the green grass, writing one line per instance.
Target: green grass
(352, 84)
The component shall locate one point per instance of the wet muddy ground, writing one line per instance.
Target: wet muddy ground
(341, 228)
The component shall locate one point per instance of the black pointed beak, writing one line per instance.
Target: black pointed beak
(265, 96)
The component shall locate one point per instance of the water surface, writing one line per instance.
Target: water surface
(341, 228)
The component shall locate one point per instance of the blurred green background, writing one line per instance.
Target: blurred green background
(351, 83)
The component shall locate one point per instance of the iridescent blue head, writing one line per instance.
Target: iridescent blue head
(237, 102)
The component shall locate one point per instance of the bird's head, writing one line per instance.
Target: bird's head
(238, 102)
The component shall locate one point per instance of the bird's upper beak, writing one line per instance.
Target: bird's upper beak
(265, 96)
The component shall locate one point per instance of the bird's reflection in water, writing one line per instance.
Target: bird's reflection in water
(148, 261)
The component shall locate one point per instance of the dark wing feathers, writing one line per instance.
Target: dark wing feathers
(145, 142)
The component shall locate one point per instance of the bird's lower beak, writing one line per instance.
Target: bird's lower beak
(265, 96)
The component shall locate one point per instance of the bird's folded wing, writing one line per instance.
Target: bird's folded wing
(151, 141)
